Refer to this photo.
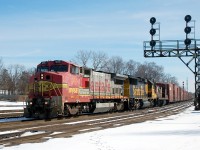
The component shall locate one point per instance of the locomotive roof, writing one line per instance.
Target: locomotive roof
(57, 62)
(132, 77)
(119, 76)
(138, 78)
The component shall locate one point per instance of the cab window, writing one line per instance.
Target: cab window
(74, 69)
(42, 68)
(59, 68)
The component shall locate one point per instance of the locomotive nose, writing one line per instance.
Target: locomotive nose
(43, 76)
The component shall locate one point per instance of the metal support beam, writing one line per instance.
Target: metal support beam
(177, 48)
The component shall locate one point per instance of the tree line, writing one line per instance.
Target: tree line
(14, 78)
(100, 61)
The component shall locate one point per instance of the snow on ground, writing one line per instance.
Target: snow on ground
(11, 103)
(11, 108)
(7, 105)
(178, 132)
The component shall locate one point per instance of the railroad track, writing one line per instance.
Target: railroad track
(14, 133)
(10, 115)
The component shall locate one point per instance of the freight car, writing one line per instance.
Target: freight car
(162, 94)
(63, 88)
(171, 93)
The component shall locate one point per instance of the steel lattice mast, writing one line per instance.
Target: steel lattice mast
(190, 47)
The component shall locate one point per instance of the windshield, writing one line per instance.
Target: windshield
(59, 68)
(42, 68)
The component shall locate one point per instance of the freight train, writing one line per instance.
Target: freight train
(60, 88)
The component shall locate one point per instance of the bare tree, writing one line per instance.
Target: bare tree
(14, 79)
(22, 83)
(167, 78)
(1, 73)
(150, 70)
(15, 72)
(99, 60)
(141, 71)
(130, 67)
(1, 64)
(115, 65)
(5, 79)
(155, 72)
(83, 57)
(31, 71)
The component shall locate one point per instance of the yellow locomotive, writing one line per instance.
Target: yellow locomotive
(141, 92)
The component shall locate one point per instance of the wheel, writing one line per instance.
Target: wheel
(137, 104)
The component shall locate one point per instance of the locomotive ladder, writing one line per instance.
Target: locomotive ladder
(177, 48)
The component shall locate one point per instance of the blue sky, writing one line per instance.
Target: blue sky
(32, 31)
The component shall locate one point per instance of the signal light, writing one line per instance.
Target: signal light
(187, 42)
(152, 31)
(152, 20)
(188, 18)
(187, 30)
(152, 43)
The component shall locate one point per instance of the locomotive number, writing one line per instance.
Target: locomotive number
(73, 90)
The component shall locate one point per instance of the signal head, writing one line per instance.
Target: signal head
(187, 30)
(188, 18)
(152, 20)
(187, 42)
(152, 43)
(152, 31)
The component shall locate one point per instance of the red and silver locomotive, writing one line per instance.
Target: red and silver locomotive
(63, 88)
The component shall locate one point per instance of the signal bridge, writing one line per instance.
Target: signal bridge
(190, 47)
(171, 48)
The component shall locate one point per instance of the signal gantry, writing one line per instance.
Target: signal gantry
(190, 47)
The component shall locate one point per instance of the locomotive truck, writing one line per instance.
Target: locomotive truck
(62, 88)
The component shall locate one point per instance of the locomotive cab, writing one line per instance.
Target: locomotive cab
(46, 88)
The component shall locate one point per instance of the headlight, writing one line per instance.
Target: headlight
(30, 103)
(42, 76)
(45, 103)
